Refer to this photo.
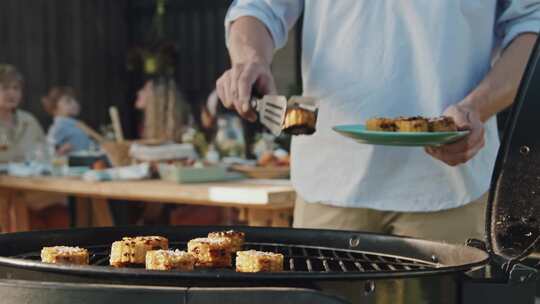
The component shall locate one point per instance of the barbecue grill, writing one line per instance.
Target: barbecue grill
(321, 266)
(314, 259)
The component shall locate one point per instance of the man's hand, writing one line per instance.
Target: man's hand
(234, 87)
(494, 93)
(466, 118)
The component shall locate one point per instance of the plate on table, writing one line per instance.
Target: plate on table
(260, 172)
(413, 139)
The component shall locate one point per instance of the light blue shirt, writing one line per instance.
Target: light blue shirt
(366, 58)
(65, 130)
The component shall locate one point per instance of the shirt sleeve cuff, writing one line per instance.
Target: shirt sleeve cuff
(528, 26)
(279, 36)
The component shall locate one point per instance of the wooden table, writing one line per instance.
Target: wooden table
(262, 202)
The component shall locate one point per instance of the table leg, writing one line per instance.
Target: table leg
(243, 214)
(282, 218)
(227, 215)
(83, 212)
(101, 214)
(269, 218)
(5, 201)
(19, 214)
(258, 217)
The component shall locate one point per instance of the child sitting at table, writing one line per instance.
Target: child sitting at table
(64, 134)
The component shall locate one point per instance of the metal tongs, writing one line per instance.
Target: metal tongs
(272, 109)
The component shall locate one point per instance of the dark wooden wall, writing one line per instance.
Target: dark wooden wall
(80, 43)
(84, 43)
(197, 28)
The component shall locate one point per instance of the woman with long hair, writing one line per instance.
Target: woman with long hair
(166, 112)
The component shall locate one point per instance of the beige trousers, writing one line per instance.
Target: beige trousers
(452, 225)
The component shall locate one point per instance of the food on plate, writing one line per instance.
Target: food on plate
(299, 121)
(132, 250)
(237, 238)
(442, 124)
(411, 124)
(381, 124)
(258, 261)
(65, 255)
(169, 260)
(211, 252)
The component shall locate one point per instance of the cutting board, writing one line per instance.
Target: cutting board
(254, 192)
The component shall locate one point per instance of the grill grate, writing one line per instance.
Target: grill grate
(298, 258)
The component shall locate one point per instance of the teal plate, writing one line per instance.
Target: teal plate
(412, 139)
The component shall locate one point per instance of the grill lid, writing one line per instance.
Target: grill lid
(513, 210)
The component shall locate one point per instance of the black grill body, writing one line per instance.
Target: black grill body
(309, 254)
(351, 266)
(16, 292)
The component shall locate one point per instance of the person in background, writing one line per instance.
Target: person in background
(64, 134)
(20, 132)
(144, 94)
(166, 112)
(212, 111)
(209, 111)
(154, 101)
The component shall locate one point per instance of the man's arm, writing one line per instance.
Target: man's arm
(251, 51)
(250, 40)
(494, 93)
(255, 28)
(499, 88)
